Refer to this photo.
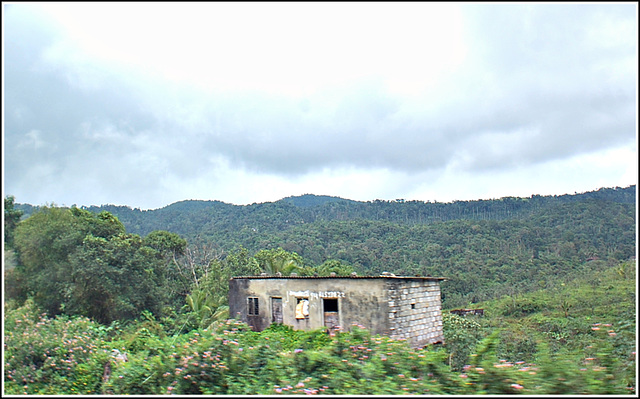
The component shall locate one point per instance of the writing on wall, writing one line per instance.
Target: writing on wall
(317, 294)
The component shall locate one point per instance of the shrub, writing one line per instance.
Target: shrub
(52, 356)
(461, 335)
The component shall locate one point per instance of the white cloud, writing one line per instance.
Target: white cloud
(247, 102)
(581, 173)
(33, 139)
(291, 49)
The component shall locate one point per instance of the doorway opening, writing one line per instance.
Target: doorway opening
(276, 310)
(331, 313)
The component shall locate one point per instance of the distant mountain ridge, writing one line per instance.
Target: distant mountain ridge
(307, 200)
(193, 218)
(616, 194)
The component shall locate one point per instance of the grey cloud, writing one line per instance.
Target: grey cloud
(541, 69)
(358, 129)
(59, 135)
(544, 75)
(559, 37)
(532, 90)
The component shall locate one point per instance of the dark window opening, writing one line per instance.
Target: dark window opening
(253, 307)
(413, 306)
(331, 305)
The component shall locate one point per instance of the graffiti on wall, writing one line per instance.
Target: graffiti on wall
(318, 294)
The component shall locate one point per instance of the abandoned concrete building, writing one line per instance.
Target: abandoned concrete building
(396, 306)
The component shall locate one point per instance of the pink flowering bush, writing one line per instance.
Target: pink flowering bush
(68, 356)
(558, 373)
(52, 356)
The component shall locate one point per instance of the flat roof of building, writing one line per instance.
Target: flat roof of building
(343, 277)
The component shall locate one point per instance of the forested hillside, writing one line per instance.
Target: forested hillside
(195, 218)
(486, 248)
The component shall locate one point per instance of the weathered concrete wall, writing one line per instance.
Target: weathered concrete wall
(402, 308)
(360, 301)
(415, 311)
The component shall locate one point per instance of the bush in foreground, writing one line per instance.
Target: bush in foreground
(68, 356)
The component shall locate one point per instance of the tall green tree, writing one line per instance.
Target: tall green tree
(116, 278)
(333, 266)
(44, 243)
(207, 300)
(273, 261)
(77, 262)
(11, 218)
(240, 263)
(169, 245)
(13, 280)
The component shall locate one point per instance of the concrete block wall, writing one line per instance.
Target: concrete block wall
(415, 312)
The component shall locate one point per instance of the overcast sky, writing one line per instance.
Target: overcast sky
(152, 103)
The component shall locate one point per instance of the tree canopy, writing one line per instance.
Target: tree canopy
(77, 262)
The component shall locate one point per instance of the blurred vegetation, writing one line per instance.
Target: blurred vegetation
(539, 352)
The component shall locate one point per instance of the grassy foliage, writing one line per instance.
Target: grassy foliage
(536, 352)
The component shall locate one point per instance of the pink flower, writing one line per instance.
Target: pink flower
(517, 386)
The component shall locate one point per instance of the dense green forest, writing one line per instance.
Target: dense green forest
(486, 248)
(556, 276)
